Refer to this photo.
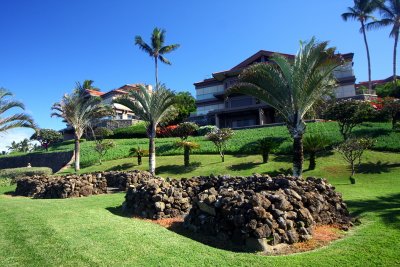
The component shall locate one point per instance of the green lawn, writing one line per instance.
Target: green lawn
(89, 231)
(386, 140)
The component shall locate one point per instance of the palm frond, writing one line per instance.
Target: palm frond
(143, 46)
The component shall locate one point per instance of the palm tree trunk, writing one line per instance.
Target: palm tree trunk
(139, 160)
(368, 58)
(396, 39)
(186, 156)
(77, 154)
(265, 156)
(312, 161)
(152, 149)
(156, 62)
(298, 155)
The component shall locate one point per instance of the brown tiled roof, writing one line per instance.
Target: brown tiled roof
(94, 92)
(376, 82)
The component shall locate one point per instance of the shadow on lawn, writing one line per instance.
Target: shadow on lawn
(178, 169)
(387, 207)
(378, 167)
(244, 166)
(121, 167)
(372, 132)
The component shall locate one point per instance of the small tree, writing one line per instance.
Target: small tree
(219, 137)
(46, 137)
(314, 143)
(139, 153)
(391, 107)
(101, 145)
(348, 113)
(267, 145)
(184, 130)
(185, 104)
(352, 150)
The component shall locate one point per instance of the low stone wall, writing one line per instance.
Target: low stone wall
(77, 185)
(255, 211)
(55, 161)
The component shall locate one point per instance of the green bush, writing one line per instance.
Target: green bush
(135, 131)
(23, 172)
(203, 130)
(5, 182)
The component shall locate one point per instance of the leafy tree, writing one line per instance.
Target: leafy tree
(314, 143)
(46, 137)
(362, 11)
(220, 137)
(151, 108)
(391, 107)
(184, 130)
(102, 132)
(185, 104)
(348, 114)
(15, 120)
(352, 150)
(267, 145)
(102, 146)
(292, 87)
(388, 90)
(139, 153)
(13, 147)
(390, 16)
(156, 49)
(81, 112)
(22, 146)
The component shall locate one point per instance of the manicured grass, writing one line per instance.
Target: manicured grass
(89, 231)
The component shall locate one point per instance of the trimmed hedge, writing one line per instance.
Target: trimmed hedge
(135, 131)
(15, 173)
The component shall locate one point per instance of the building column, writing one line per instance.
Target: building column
(217, 120)
(261, 116)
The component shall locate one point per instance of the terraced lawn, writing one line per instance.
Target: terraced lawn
(89, 231)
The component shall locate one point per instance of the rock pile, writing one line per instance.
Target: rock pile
(260, 211)
(122, 180)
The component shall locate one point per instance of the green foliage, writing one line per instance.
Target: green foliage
(352, 150)
(24, 146)
(348, 113)
(314, 143)
(391, 108)
(4, 182)
(46, 137)
(137, 130)
(203, 130)
(102, 133)
(185, 104)
(388, 90)
(15, 173)
(186, 129)
(102, 146)
(139, 153)
(267, 145)
(219, 137)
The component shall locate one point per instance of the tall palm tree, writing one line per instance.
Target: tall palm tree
(362, 11)
(390, 13)
(151, 108)
(80, 112)
(156, 49)
(292, 87)
(16, 120)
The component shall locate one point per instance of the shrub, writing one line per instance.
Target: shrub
(135, 131)
(5, 182)
(15, 173)
(203, 130)
(166, 131)
(102, 146)
(314, 143)
(186, 129)
(387, 89)
(267, 145)
(348, 113)
(219, 137)
(102, 132)
(139, 153)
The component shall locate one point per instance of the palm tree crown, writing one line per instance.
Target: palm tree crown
(15, 120)
(390, 13)
(292, 87)
(156, 49)
(362, 11)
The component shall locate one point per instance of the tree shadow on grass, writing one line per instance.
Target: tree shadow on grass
(121, 167)
(371, 132)
(178, 169)
(244, 166)
(117, 210)
(386, 207)
(162, 149)
(283, 171)
(377, 168)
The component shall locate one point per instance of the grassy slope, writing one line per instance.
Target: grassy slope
(387, 140)
(85, 231)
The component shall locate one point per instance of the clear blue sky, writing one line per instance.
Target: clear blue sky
(46, 46)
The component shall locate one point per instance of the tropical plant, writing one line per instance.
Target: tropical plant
(13, 147)
(267, 145)
(183, 131)
(102, 133)
(220, 137)
(102, 146)
(352, 150)
(139, 153)
(156, 49)
(80, 112)
(15, 120)
(151, 108)
(362, 11)
(348, 113)
(292, 86)
(185, 104)
(46, 137)
(390, 16)
(88, 85)
(314, 143)
(23, 146)
(391, 107)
